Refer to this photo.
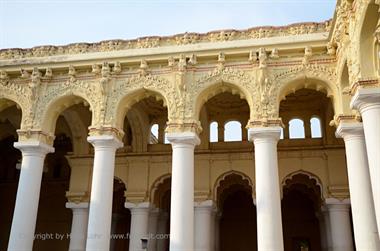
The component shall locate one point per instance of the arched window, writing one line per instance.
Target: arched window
(316, 129)
(296, 129)
(232, 131)
(214, 132)
(153, 139)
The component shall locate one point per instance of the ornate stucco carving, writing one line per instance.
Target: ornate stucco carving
(241, 80)
(180, 39)
(186, 80)
(126, 88)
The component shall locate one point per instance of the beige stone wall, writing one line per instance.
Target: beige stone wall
(70, 88)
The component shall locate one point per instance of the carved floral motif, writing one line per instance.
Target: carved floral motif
(180, 39)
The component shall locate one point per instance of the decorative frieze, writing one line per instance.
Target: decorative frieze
(180, 39)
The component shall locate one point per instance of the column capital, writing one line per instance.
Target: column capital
(105, 141)
(206, 205)
(33, 147)
(183, 138)
(81, 205)
(333, 204)
(347, 130)
(264, 133)
(366, 98)
(137, 207)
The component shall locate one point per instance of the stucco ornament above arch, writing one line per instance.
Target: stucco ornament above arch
(357, 23)
(20, 91)
(125, 93)
(302, 76)
(53, 98)
(216, 81)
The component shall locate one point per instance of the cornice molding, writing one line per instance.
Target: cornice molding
(175, 40)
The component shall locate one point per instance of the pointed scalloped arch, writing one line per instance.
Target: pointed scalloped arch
(57, 105)
(245, 178)
(156, 186)
(367, 16)
(9, 98)
(134, 89)
(310, 175)
(312, 77)
(227, 80)
(126, 102)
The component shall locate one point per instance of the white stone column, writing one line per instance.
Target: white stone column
(139, 224)
(100, 216)
(78, 232)
(362, 206)
(203, 225)
(322, 231)
(28, 194)
(327, 225)
(152, 228)
(268, 200)
(367, 101)
(182, 191)
(217, 231)
(162, 230)
(340, 225)
(213, 230)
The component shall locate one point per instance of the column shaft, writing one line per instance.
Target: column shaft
(182, 191)
(322, 232)
(28, 194)
(362, 206)
(139, 224)
(162, 231)
(100, 216)
(79, 223)
(203, 225)
(268, 200)
(152, 229)
(367, 101)
(340, 225)
(326, 218)
(217, 231)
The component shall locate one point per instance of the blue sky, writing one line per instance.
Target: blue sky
(54, 22)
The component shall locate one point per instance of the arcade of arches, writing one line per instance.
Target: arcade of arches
(263, 139)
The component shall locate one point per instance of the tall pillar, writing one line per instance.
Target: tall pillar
(203, 225)
(327, 225)
(78, 232)
(340, 225)
(182, 191)
(367, 101)
(268, 200)
(100, 216)
(217, 231)
(322, 231)
(152, 229)
(139, 224)
(362, 206)
(28, 194)
(162, 230)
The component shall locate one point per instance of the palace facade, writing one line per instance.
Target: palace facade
(122, 144)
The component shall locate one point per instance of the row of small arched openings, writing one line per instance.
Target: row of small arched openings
(233, 130)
